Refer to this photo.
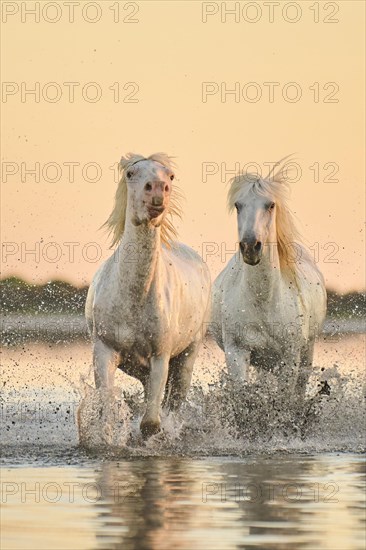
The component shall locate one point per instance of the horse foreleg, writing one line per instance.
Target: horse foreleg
(288, 374)
(150, 423)
(105, 362)
(306, 363)
(238, 362)
(95, 412)
(180, 376)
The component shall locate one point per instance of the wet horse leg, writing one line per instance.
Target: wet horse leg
(105, 362)
(180, 376)
(289, 373)
(237, 361)
(306, 363)
(159, 367)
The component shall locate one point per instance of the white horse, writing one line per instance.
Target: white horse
(270, 300)
(148, 304)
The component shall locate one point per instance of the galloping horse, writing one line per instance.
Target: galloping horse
(270, 300)
(148, 304)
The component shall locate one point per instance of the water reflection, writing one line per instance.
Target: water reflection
(277, 503)
(152, 501)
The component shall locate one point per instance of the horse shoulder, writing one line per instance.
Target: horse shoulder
(313, 289)
(188, 266)
(89, 304)
(224, 291)
(103, 281)
(187, 287)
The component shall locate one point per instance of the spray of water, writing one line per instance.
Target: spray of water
(103, 418)
(227, 418)
(45, 402)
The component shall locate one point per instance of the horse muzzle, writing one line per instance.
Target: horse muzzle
(251, 252)
(155, 210)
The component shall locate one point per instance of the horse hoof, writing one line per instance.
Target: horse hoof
(149, 428)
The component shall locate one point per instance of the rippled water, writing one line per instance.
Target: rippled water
(263, 502)
(234, 469)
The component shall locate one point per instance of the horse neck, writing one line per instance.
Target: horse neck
(138, 256)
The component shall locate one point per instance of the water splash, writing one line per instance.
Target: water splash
(45, 403)
(103, 418)
(231, 419)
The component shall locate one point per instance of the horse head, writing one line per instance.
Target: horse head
(256, 225)
(149, 185)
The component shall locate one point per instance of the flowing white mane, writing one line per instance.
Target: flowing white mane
(117, 219)
(289, 241)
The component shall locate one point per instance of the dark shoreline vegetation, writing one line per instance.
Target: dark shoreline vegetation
(18, 296)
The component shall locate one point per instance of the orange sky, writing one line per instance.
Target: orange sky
(159, 64)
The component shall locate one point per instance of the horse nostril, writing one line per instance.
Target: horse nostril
(148, 187)
(258, 246)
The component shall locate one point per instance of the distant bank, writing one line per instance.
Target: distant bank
(55, 312)
(18, 296)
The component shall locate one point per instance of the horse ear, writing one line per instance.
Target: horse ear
(124, 161)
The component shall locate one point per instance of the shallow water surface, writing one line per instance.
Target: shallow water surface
(261, 502)
(234, 469)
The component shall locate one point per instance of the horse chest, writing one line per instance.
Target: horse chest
(258, 327)
(130, 326)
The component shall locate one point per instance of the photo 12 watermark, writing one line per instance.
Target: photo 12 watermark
(251, 492)
(69, 92)
(326, 253)
(269, 92)
(270, 12)
(51, 492)
(67, 171)
(70, 12)
(292, 171)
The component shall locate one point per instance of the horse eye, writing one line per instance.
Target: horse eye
(172, 177)
(237, 206)
(271, 206)
(128, 174)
